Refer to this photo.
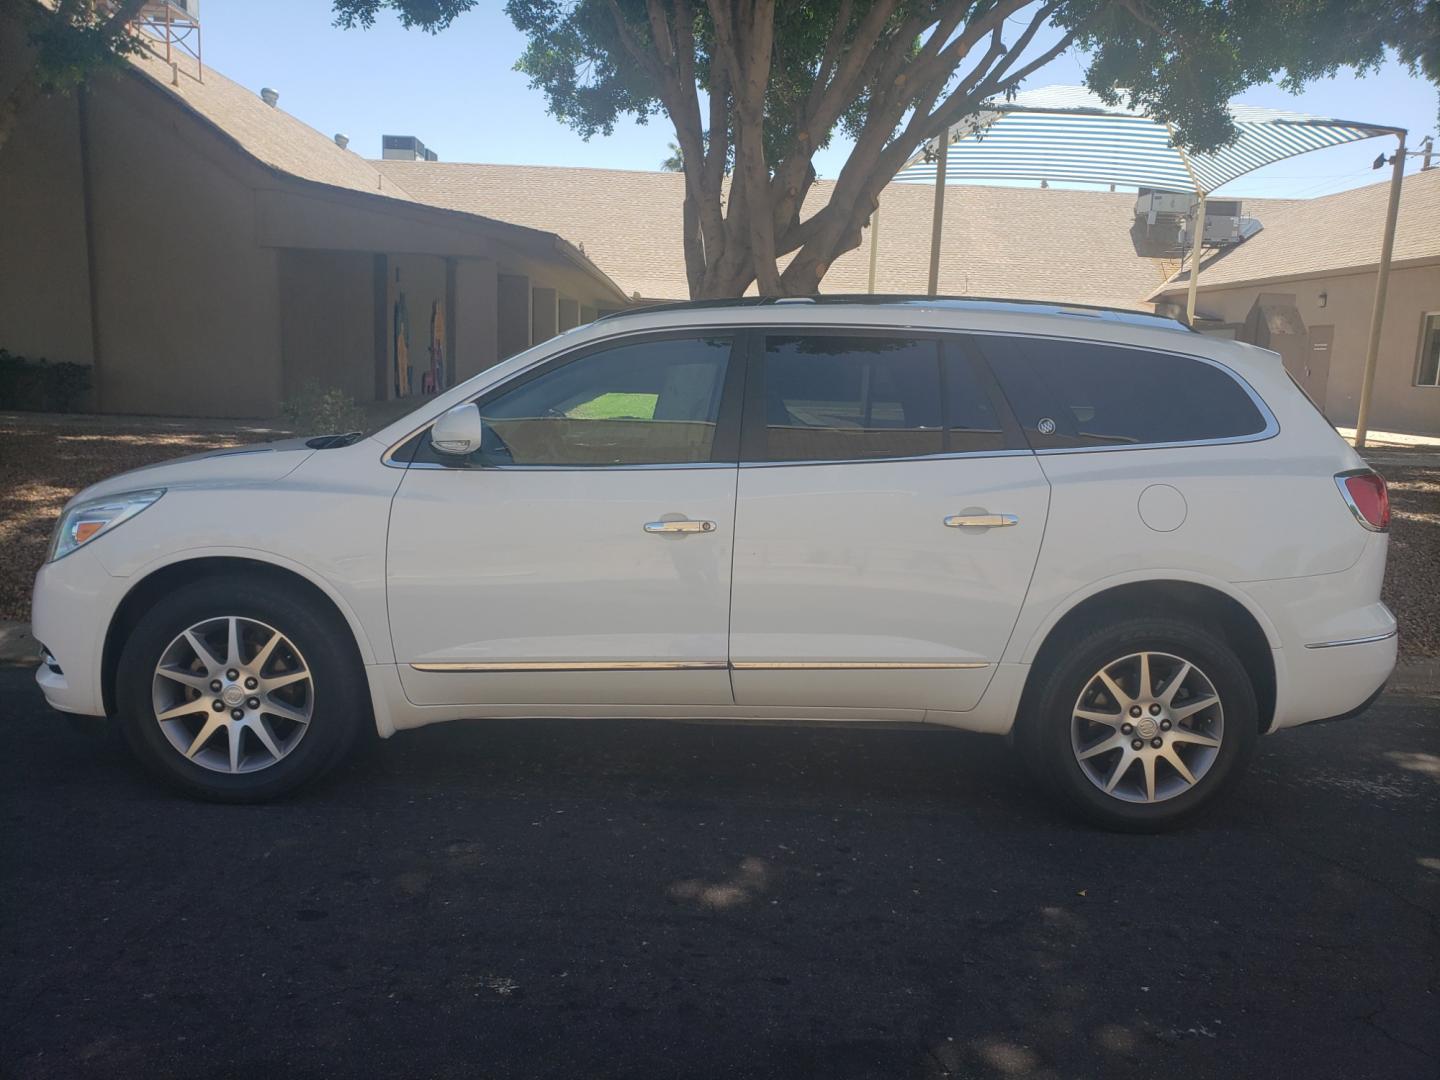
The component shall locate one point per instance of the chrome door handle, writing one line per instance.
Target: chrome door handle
(981, 521)
(679, 526)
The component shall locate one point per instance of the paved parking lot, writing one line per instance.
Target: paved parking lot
(653, 900)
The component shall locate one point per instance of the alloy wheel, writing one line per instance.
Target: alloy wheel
(1147, 727)
(233, 695)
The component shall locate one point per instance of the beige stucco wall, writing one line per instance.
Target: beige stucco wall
(1398, 404)
(327, 301)
(44, 305)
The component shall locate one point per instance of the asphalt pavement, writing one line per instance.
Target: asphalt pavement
(649, 900)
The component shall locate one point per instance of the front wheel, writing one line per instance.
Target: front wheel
(238, 691)
(1141, 726)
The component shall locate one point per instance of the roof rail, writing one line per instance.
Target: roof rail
(974, 303)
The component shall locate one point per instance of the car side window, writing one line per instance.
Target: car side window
(842, 398)
(1069, 394)
(654, 402)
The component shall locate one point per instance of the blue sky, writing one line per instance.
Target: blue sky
(457, 91)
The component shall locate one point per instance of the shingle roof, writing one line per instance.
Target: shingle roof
(1026, 243)
(1333, 233)
(271, 135)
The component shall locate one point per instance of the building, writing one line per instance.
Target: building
(209, 254)
(1305, 287)
(1025, 243)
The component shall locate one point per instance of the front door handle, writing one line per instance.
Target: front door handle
(679, 526)
(981, 521)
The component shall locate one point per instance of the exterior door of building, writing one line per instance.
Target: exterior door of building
(1316, 375)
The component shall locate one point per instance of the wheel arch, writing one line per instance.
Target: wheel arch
(180, 572)
(1232, 616)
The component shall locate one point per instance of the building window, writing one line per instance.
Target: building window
(1428, 372)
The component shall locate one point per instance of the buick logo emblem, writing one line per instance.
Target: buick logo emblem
(1046, 426)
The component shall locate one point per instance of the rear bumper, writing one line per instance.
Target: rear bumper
(1331, 683)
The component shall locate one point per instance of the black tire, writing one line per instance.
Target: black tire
(340, 707)
(1043, 730)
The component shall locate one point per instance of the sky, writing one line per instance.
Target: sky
(459, 93)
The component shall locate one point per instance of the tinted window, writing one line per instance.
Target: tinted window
(645, 403)
(836, 398)
(1068, 393)
(971, 421)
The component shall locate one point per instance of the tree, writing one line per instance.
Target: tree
(755, 87)
(69, 40)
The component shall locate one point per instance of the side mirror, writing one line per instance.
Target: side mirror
(458, 431)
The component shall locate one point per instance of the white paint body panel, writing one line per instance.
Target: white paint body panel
(853, 563)
(836, 564)
(554, 566)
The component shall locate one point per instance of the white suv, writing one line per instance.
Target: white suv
(1134, 547)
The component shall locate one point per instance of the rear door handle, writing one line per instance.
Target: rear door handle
(679, 526)
(981, 521)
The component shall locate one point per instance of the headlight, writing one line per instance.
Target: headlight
(85, 521)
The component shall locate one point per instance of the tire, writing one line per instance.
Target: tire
(309, 670)
(1071, 712)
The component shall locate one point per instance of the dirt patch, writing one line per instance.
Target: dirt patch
(44, 459)
(1412, 579)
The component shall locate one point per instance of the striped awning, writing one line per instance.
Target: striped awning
(1066, 133)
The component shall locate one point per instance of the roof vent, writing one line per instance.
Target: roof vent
(342, 141)
(405, 148)
(270, 97)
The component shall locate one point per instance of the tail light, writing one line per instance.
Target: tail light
(1367, 496)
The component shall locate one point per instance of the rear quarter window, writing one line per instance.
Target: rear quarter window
(1076, 394)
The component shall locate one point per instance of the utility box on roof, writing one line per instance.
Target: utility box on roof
(1163, 220)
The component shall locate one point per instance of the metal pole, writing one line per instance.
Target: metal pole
(1195, 261)
(874, 242)
(1382, 281)
(937, 221)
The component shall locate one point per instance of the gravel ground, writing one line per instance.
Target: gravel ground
(1412, 579)
(44, 459)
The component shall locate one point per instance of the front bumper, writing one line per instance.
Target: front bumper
(70, 612)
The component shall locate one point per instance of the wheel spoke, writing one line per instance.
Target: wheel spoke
(232, 643)
(1120, 697)
(1173, 757)
(212, 725)
(275, 683)
(1190, 708)
(1147, 762)
(1104, 746)
(187, 678)
(285, 712)
(188, 708)
(202, 651)
(1121, 768)
(258, 728)
(1185, 735)
(262, 657)
(1147, 687)
(233, 733)
(1178, 681)
(1109, 719)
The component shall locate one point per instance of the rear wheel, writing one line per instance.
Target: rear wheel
(1141, 726)
(238, 691)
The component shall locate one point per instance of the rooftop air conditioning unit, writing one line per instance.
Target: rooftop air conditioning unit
(1161, 229)
(405, 148)
(190, 9)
